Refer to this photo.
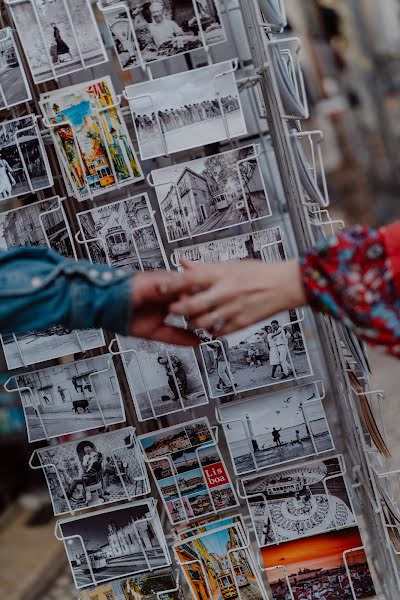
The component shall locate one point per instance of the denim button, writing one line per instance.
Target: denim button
(36, 282)
(93, 274)
(107, 276)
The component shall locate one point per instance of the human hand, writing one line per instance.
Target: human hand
(226, 297)
(151, 306)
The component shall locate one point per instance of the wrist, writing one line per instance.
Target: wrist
(293, 287)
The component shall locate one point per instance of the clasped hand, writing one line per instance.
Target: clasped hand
(221, 298)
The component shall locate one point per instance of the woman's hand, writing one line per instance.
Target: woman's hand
(225, 297)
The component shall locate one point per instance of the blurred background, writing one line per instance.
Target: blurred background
(351, 61)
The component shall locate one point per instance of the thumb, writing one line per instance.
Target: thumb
(188, 264)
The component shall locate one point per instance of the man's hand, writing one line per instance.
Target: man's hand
(150, 307)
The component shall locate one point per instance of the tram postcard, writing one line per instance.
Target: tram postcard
(70, 398)
(189, 471)
(211, 193)
(263, 354)
(329, 565)
(94, 471)
(91, 137)
(218, 564)
(299, 502)
(274, 429)
(124, 235)
(114, 542)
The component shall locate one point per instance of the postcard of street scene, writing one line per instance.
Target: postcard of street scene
(262, 354)
(94, 471)
(58, 38)
(218, 564)
(91, 138)
(163, 378)
(299, 502)
(24, 166)
(114, 542)
(190, 473)
(14, 87)
(274, 429)
(186, 110)
(144, 32)
(125, 234)
(70, 398)
(157, 585)
(211, 193)
(44, 224)
(316, 567)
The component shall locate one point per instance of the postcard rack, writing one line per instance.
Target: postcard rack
(266, 64)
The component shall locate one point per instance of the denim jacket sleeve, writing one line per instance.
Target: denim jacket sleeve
(39, 289)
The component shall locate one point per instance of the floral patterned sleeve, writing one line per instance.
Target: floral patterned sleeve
(355, 277)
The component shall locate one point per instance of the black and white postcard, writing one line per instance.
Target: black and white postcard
(24, 166)
(211, 193)
(59, 37)
(190, 473)
(125, 234)
(163, 379)
(97, 470)
(186, 110)
(44, 224)
(299, 502)
(14, 88)
(262, 354)
(115, 542)
(271, 430)
(162, 29)
(69, 398)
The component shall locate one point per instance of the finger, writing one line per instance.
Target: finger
(202, 302)
(215, 321)
(196, 277)
(175, 335)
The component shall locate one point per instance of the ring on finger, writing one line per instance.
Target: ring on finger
(218, 323)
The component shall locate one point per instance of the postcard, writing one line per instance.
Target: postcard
(24, 167)
(114, 542)
(274, 429)
(200, 526)
(91, 137)
(186, 110)
(125, 234)
(93, 471)
(218, 565)
(144, 33)
(44, 224)
(163, 379)
(189, 471)
(69, 398)
(14, 87)
(262, 354)
(58, 37)
(316, 567)
(162, 584)
(211, 193)
(299, 502)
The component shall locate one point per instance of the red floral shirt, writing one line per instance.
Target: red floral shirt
(355, 277)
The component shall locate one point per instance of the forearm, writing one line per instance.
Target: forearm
(355, 278)
(40, 289)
